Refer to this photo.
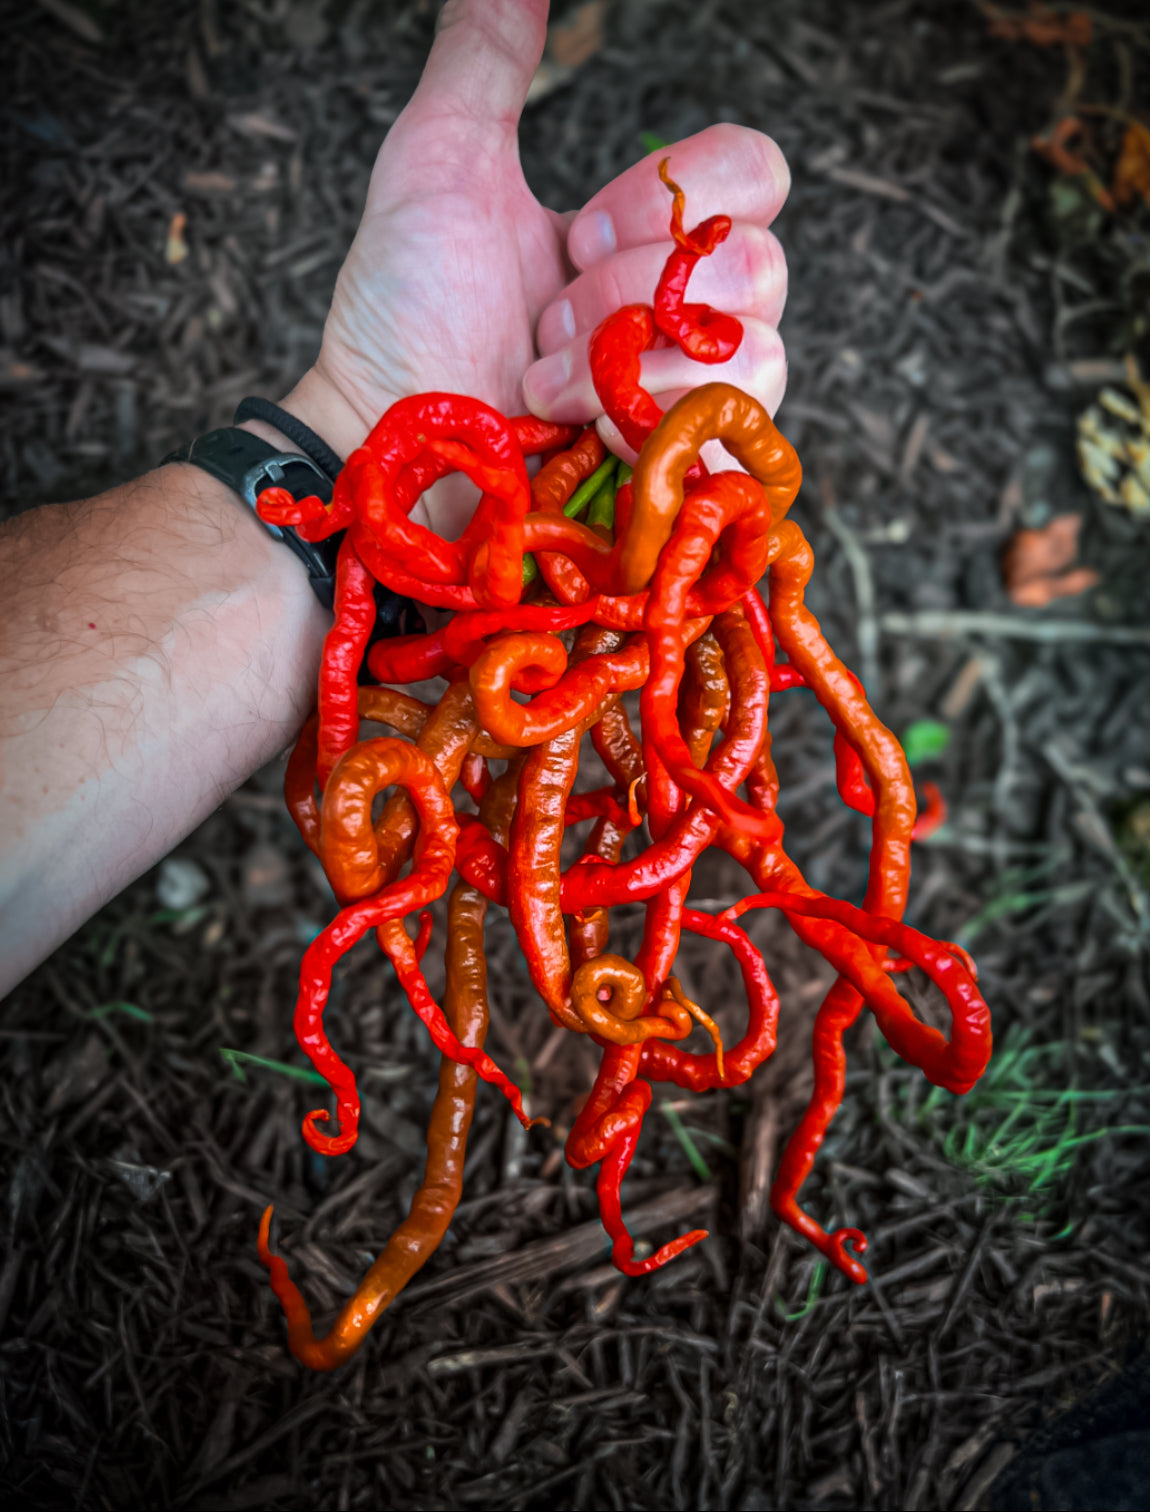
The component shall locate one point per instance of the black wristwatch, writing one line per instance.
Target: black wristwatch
(248, 464)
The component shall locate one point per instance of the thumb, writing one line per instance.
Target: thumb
(482, 62)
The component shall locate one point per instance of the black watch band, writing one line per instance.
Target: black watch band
(248, 464)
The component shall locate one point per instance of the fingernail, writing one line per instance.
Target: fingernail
(546, 379)
(565, 315)
(593, 238)
(556, 326)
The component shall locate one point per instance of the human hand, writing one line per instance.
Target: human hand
(457, 269)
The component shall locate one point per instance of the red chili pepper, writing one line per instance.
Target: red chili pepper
(661, 595)
(343, 650)
(703, 333)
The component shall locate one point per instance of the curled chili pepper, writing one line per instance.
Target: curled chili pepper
(685, 586)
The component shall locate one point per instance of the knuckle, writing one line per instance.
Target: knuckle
(760, 154)
(762, 271)
(761, 360)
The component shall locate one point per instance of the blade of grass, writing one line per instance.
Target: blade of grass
(131, 1010)
(237, 1059)
(700, 1167)
(818, 1275)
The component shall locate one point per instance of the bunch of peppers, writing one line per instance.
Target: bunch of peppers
(570, 589)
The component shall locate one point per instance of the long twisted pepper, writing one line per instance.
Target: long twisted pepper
(556, 618)
(435, 1201)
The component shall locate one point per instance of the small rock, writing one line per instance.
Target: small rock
(181, 884)
(143, 1181)
(266, 876)
(75, 1073)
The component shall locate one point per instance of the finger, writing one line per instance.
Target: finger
(559, 387)
(482, 62)
(745, 275)
(714, 453)
(727, 169)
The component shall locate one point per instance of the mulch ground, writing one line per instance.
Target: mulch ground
(953, 307)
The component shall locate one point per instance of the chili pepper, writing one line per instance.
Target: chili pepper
(535, 435)
(693, 830)
(855, 789)
(607, 1130)
(404, 431)
(699, 1073)
(575, 692)
(701, 332)
(600, 803)
(475, 777)
(589, 929)
(601, 510)
(708, 695)
(343, 650)
(435, 1201)
(348, 845)
(713, 505)
(590, 488)
(545, 782)
(618, 343)
(465, 636)
(381, 706)
(714, 412)
(409, 658)
(616, 347)
(955, 1064)
(617, 747)
(658, 585)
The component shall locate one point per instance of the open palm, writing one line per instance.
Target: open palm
(460, 280)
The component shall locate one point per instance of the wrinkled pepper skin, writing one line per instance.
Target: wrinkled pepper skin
(684, 587)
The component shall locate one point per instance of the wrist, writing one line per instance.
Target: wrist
(323, 408)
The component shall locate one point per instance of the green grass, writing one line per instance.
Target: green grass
(924, 739)
(818, 1276)
(1016, 1135)
(129, 1010)
(1016, 893)
(681, 1132)
(238, 1059)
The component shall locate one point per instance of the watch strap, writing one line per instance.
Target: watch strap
(247, 464)
(289, 425)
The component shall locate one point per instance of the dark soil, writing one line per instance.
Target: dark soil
(949, 316)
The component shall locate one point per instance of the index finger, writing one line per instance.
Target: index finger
(724, 170)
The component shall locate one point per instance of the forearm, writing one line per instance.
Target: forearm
(156, 647)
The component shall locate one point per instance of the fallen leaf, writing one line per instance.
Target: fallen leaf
(14, 373)
(75, 1073)
(571, 42)
(209, 183)
(75, 18)
(1055, 149)
(91, 357)
(1132, 171)
(1034, 561)
(176, 248)
(1041, 26)
(251, 123)
(266, 876)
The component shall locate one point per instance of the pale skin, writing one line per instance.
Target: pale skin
(156, 645)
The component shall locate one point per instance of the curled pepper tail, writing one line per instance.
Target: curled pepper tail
(333, 1144)
(611, 1173)
(302, 1341)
